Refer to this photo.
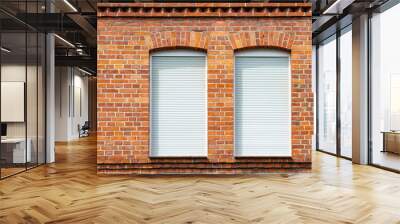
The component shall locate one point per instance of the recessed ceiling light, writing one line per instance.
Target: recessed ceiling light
(84, 71)
(70, 5)
(64, 40)
(5, 50)
(337, 7)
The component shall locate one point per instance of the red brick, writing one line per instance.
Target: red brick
(125, 41)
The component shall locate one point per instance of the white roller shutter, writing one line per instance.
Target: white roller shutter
(262, 104)
(178, 104)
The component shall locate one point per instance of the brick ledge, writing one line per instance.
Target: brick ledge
(209, 168)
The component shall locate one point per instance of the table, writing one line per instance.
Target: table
(391, 141)
(16, 148)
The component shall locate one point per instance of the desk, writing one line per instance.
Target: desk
(391, 141)
(16, 147)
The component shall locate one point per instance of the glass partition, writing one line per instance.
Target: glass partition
(327, 96)
(13, 94)
(334, 94)
(385, 90)
(22, 88)
(346, 92)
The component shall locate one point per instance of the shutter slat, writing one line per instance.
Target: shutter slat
(262, 106)
(178, 106)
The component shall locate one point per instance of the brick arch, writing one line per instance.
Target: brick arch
(280, 40)
(174, 39)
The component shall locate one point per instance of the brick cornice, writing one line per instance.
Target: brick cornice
(175, 39)
(204, 10)
(282, 40)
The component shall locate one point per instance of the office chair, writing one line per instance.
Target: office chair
(84, 130)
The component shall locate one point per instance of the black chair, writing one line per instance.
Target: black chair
(84, 130)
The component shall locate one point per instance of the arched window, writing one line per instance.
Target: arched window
(262, 103)
(178, 104)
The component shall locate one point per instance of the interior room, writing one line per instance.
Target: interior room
(22, 98)
(385, 90)
(28, 57)
(72, 100)
(200, 111)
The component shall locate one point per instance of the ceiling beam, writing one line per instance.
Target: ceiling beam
(79, 61)
(86, 27)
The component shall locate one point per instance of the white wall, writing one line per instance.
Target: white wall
(33, 126)
(12, 73)
(62, 82)
(80, 112)
(71, 94)
(17, 73)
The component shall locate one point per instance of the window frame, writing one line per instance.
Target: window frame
(177, 53)
(262, 52)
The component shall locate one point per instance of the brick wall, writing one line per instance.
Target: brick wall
(128, 32)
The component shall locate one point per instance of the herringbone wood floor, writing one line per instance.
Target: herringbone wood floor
(70, 192)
